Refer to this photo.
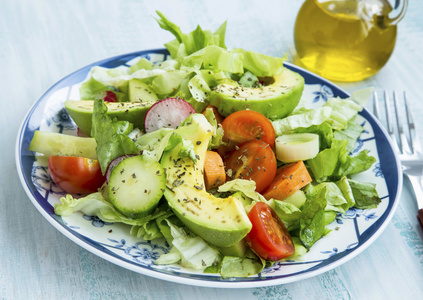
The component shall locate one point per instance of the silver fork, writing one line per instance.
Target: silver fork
(406, 143)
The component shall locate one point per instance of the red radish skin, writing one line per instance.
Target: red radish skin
(110, 97)
(80, 133)
(114, 163)
(167, 113)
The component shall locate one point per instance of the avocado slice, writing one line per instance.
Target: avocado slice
(238, 250)
(222, 222)
(140, 91)
(275, 100)
(81, 112)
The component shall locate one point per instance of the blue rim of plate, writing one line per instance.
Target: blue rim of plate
(390, 166)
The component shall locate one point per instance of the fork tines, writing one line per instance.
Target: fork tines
(405, 137)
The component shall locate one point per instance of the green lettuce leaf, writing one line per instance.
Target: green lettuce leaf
(324, 131)
(355, 164)
(305, 119)
(153, 144)
(186, 44)
(142, 64)
(335, 162)
(148, 231)
(334, 196)
(351, 133)
(260, 64)
(365, 194)
(246, 187)
(218, 59)
(190, 250)
(345, 110)
(288, 213)
(246, 266)
(216, 140)
(214, 58)
(111, 143)
(93, 89)
(91, 205)
(96, 205)
(312, 220)
(300, 250)
(168, 82)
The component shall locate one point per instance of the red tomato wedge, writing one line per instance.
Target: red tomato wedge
(253, 160)
(76, 175)
(268, 237)
(246, 125)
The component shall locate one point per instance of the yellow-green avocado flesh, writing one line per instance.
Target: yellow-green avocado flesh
(81, 112)
(275, 100)
(221, 222)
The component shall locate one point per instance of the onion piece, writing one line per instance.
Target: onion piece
(296, 147)
(167, 113)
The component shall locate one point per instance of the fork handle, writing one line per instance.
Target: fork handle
(420, 216)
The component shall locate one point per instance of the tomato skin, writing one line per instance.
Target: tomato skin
(268, 237)
(253, 160)
(75, 175)
(246, 125)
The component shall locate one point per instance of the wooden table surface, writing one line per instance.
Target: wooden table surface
(42, 41)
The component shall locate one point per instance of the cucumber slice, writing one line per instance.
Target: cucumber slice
(50, 143)
(296, 147)
(136, 186)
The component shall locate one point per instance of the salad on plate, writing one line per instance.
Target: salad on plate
(212, 151)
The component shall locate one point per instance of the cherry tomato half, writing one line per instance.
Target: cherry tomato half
(253, 160)
(268, 237)
(246, 125)
(77, 175)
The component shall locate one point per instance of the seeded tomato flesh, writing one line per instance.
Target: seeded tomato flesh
(268, 237)
(76, 175)
(253, 160)
(245, 125)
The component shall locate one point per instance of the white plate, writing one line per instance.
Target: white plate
(352, 232)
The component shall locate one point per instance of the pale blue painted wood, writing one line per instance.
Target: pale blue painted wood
(41, 41)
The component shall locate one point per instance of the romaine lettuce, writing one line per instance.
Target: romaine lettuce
(261, 65)
(93, 89)
(312, 220)
(246, 266)
(186, 44)
(335, 162)
(190, 250)
(216, 140)
(305, 119)
(111, 143)
(351, 133)
(365, 194)
(96, 205)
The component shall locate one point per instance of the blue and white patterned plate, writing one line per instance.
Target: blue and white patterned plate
(351, 234)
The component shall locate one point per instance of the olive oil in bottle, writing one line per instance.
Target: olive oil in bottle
(344, 40)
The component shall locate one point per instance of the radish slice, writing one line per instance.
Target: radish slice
(167, 113)
(114, 163)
